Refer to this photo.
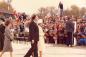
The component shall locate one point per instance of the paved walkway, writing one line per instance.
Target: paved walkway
(50, 51)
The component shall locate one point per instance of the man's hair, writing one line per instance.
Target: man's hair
(68, 18)
(7, 22)
(2, 19)
(33, 17)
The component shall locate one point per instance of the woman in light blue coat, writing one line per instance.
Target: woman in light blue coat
(8, 38)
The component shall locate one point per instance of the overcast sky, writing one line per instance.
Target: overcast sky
(31, 6)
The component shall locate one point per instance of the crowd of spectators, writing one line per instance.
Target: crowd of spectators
(54, 29)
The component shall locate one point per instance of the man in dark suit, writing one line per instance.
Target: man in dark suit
(70, 31)
(2, 30)
(34, 38)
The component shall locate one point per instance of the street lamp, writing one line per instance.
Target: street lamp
(8, 2)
